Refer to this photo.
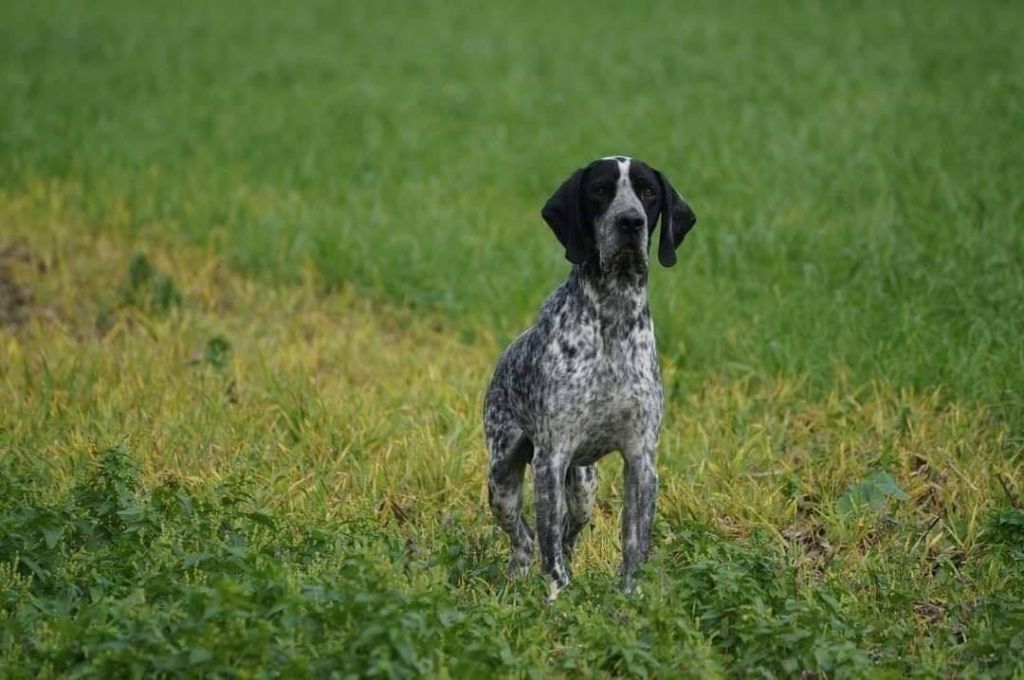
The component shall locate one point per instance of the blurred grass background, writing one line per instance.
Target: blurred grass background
(856, 168)
(257, 261)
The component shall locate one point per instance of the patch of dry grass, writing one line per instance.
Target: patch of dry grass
(335, 408)
(338, 404)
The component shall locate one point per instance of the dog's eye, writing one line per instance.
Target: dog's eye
(648, 192)
(600, 190)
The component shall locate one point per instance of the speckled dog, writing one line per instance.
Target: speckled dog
(584, 381)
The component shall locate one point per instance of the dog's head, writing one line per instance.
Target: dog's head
(607, 211)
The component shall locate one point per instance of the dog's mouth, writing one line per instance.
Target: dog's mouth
(631, 257)
(631, 248)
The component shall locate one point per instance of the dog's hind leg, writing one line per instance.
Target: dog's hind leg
(580, 490)
(510, 453)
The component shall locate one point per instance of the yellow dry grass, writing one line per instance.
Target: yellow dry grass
(336, 404)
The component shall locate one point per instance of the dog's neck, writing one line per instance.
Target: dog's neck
(618, 294)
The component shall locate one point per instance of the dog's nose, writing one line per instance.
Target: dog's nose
(630, 222)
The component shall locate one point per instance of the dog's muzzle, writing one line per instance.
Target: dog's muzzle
(631, 223)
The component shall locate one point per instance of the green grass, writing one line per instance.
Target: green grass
(205, 473)
(856, 170)
(257, 447)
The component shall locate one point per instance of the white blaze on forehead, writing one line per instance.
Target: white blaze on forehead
(624, 188)
(623, 171)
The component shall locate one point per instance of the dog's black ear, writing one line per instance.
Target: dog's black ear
(564, 214)
(677, 219)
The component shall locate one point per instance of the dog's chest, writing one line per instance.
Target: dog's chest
(606, 383)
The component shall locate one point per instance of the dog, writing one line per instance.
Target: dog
(584, 380)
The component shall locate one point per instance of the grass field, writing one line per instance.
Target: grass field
(257, 261)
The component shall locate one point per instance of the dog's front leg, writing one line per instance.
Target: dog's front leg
(638, 513)
(549, 499)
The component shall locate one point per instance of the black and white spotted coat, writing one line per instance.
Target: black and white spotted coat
(584, 380)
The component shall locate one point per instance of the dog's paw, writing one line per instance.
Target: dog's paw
(519, 564)
(631, 587)
(554, 589)
(629, 583)
(556, 583)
